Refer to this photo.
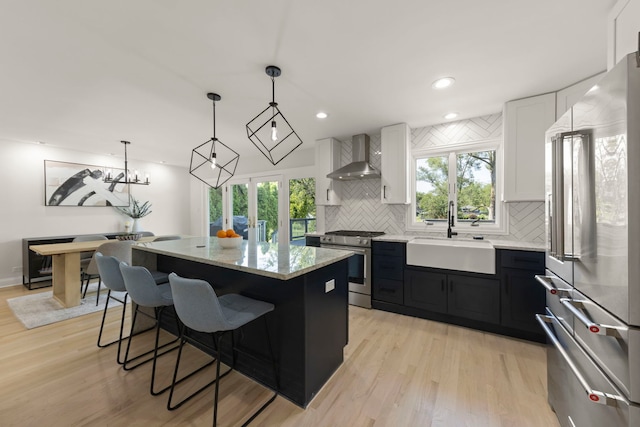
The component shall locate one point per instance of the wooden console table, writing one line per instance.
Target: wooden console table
(66, 267)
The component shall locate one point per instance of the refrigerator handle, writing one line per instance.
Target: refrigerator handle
(595, 396)
(547, 283)
(552, 231)
(557, 199)
(576, 307)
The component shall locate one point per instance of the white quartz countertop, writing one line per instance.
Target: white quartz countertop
(277, 260)
(497, 243)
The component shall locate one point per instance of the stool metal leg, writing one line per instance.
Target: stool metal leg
(275, 376)
(183, 339)
(125, 364)
(104, 315)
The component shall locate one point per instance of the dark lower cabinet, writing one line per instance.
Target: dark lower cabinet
(388, 261)
(468, 297)
(425, 290)
(505, 303)
(474, 298)
(522, 296)
(389, 290)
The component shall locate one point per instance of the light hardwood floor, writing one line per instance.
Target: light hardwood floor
(398, 371)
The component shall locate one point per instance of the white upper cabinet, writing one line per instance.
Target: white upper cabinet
(622, 31)
(396, 149)
(566, 97)
(525, 123)
(328, 191)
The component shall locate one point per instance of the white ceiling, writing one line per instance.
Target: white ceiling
(85, 74)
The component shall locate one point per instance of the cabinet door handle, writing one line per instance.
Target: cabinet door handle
(327, 194)
(527, 260)
(384, 191)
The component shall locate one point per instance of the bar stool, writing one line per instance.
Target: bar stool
(145, 292)
(121, 250)
(201, 310)
(109, 270)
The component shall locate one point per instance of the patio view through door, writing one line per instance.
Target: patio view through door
(261, 202)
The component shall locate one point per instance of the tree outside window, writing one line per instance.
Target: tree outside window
(475, 186)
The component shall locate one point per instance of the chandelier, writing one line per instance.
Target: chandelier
(125, 176)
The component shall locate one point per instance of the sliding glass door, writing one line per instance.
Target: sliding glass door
(256, 202)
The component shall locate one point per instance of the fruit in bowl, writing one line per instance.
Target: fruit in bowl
(229, 239)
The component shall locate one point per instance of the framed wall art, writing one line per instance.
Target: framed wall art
(75, 184)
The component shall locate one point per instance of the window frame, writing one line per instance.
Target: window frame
(500, 226)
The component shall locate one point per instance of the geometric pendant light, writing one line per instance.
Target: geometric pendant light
(213, 162)
(270, 131)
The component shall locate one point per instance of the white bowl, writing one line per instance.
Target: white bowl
(230, 242)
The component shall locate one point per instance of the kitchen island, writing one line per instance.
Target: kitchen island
(307, 285)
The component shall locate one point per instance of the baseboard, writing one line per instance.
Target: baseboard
(10, 281)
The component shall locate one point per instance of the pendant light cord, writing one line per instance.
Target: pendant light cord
(273, 97)
(212, 155)
(126, 167)
(214, 120)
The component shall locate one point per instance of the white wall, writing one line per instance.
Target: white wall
(23, 213)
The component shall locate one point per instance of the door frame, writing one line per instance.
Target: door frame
(252, 194)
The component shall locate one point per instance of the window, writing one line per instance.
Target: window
(215, 210)
(467, 176)
(302, 208)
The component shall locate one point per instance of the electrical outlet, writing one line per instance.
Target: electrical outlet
(16, 269)
(329, 286)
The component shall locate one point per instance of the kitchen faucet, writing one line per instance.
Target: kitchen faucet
(450, 219)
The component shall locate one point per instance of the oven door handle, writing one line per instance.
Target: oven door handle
(345, 248)
(594, 396)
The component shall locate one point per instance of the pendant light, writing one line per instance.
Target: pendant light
(213, 162)
(270, 131)
(125, 177)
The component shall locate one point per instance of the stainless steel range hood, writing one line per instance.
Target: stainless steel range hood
(359, 168)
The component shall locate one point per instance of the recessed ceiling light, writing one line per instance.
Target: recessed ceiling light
(321, 115)
(443, 83)
(450, 116)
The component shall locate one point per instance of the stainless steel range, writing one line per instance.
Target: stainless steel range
(359, 264)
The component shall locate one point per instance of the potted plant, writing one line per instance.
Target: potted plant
(135, 211)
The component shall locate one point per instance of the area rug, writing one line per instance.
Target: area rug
(42, 309)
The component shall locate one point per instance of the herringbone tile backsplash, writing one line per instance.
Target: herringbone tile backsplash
(361, 208)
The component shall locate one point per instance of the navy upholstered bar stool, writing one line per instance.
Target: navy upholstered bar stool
(201, 310)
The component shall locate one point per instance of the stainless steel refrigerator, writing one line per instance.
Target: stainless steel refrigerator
(592, 177)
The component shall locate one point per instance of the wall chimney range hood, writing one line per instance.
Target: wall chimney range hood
(359, 168)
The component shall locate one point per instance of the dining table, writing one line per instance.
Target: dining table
(66, 267)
